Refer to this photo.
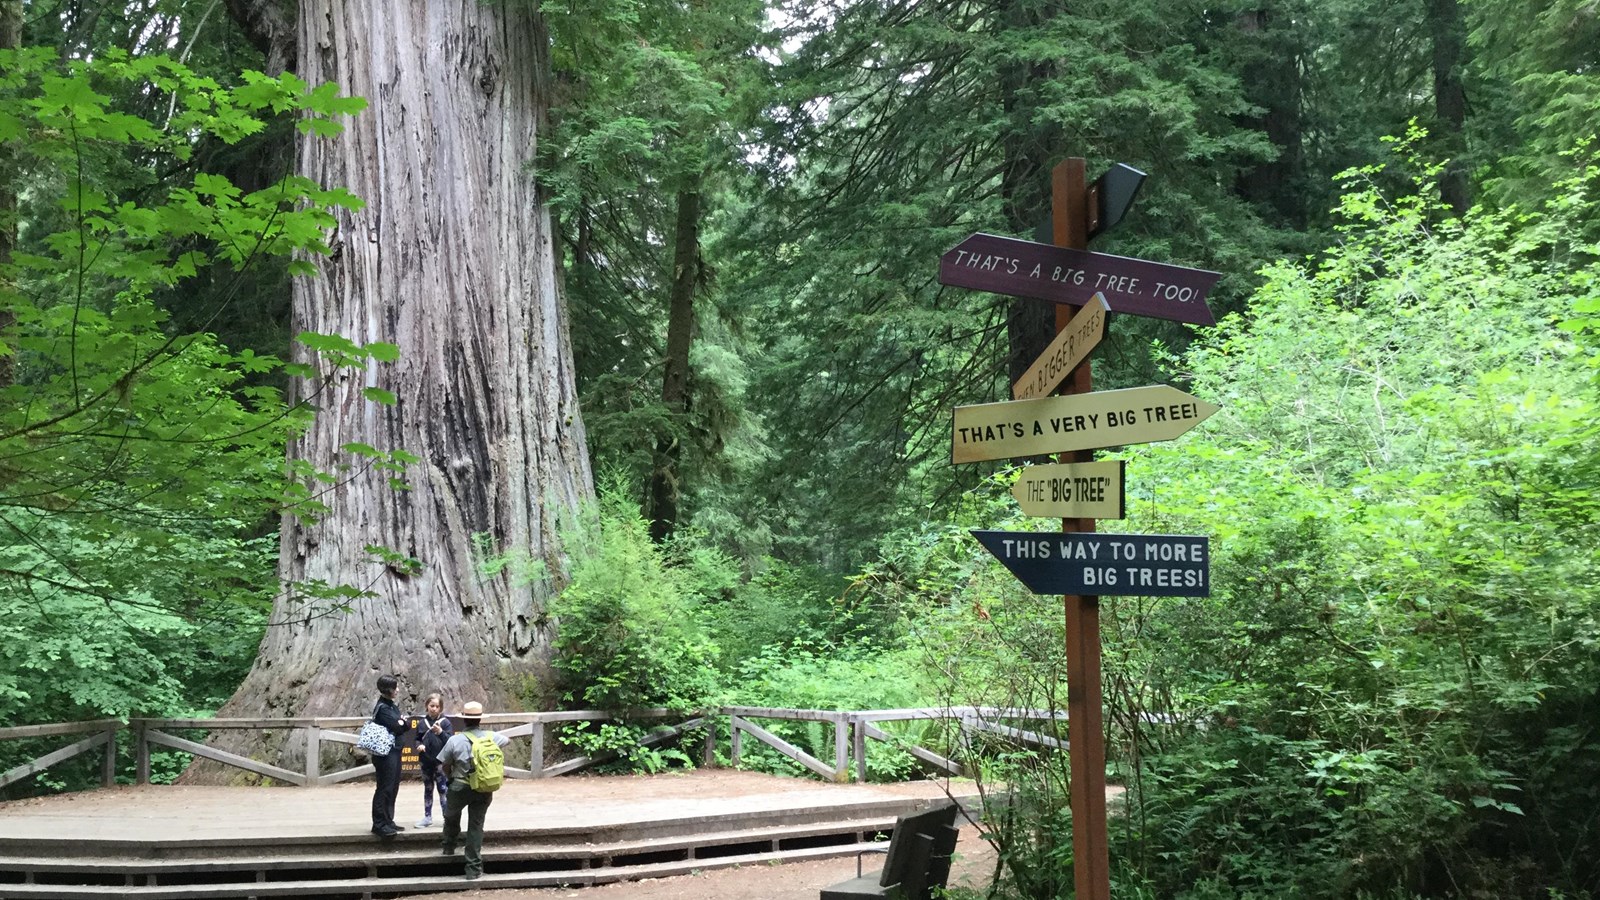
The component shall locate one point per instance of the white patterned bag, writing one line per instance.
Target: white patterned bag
(375, 739)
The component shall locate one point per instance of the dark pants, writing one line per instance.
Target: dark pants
(476, 805)
(387, 770)
(432, 777)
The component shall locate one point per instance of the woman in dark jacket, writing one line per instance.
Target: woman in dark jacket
(387, 767)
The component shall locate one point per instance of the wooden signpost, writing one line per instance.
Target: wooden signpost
(1016, 428)
(1077, 562)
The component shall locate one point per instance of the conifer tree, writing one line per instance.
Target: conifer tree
(451, 261)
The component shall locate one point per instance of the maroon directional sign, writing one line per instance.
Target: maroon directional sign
(1018, 268)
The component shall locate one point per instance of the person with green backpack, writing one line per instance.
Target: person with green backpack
(475, 762)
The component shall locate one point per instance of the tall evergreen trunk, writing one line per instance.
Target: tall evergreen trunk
(1449, 34)
(1272, 82)
(451, 260)
(1025, 190)
(10, 39)
(664, 481)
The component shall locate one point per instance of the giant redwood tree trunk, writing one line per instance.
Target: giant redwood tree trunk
(451, 260)
(1273, 84)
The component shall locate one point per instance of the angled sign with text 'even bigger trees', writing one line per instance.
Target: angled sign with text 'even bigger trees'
(1095, 564)
(1018, 268)
(1071, 347)
(1074, 422)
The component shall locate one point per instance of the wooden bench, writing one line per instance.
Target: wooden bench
(918, 859)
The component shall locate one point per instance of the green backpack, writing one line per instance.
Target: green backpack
(488, 764)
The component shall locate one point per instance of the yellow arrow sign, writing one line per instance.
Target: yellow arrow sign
(1091, 490)
(1074, 422)
(1071, 346)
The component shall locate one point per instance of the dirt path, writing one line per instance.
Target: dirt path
(974, 864)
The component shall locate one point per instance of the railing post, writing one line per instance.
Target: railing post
(536, 752)
(709, 758)
(734, 736)
(313, 755)
(859, 729)
(841, 748)
(141, 757)
(108, 768)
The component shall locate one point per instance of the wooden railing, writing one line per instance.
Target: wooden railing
(104, 734)
(851, 732)
(342, 730)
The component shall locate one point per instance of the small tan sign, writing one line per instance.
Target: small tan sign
(1091, 490)
(1071, 347)
(1074, 422)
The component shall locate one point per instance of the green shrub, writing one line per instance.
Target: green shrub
(1390, 691)
(630, 631)
(855, 677)
(783, 605)
(1401, 641)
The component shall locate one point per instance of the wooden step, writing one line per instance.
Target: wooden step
(447, 878)
(211, 842)
(248, 848)
(705, 845)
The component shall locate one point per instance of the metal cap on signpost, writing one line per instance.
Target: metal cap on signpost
(1112, 194)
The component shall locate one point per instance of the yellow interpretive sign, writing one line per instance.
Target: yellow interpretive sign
(1062, 424)
(1089, 490)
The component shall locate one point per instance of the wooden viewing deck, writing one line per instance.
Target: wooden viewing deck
(213, 842)
(313, 840)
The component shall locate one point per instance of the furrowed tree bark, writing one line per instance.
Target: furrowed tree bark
(270, 26)
(451, 260)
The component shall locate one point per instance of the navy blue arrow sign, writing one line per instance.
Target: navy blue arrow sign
(1094, 564)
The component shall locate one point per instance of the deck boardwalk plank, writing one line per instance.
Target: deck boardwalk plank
(189, 841)
(158, 814)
